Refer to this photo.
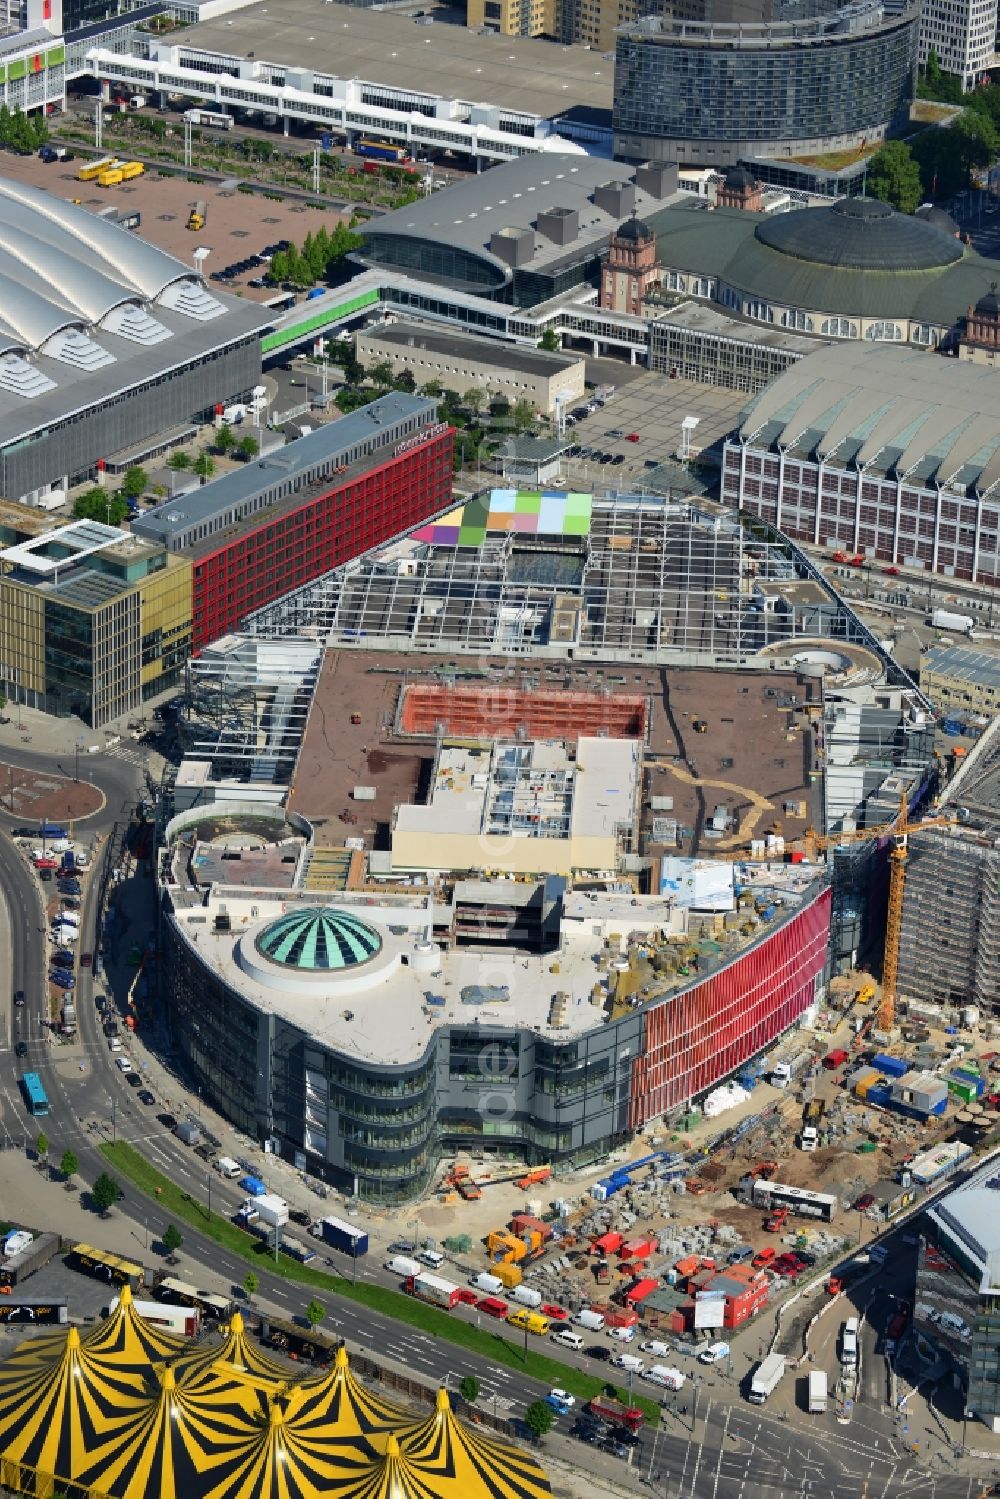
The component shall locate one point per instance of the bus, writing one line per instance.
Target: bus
(381, 151)
(178, 1293)
(34, 1093)
(105, 1266)
(769, 1195)
(211, 117)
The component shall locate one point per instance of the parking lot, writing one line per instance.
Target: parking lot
(651, 409)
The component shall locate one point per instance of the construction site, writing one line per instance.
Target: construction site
(812, 1154)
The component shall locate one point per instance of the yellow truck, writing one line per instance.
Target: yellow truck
(198, 215)
(132, 169)
(94, 169)
(865, 994)
(110, 178)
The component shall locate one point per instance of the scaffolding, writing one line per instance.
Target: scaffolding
(247, 704)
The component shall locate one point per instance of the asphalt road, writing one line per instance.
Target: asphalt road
(711, 1444)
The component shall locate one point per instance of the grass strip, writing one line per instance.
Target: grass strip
(490, 1345)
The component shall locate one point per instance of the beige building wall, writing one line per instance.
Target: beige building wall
(463, 372)
(22, 636)
(962, 694)
(590, 23)
(166, 621)
(420, 848)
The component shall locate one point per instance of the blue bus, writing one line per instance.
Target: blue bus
(34, 1093)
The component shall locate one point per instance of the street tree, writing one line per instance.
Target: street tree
(380, 373)
(432, 389)
(474, 399)
(523, 415)
(135, 483)
(104, 1193)
(42, 1146)
(315, 1312)
(550, 341)
(225, 438)
(69, 1165)
(172, 1239)
(248, 447)
(204, 466)
(539, 1419)
(101, 504)
(894, 177)
(179, 461)
(469, 1389)
(251, 1284)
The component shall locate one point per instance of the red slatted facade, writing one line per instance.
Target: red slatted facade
(258, 562)
(700, 1037)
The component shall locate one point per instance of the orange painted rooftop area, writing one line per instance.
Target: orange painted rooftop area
(495, 711)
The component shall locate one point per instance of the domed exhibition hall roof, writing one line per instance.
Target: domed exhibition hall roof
(319, 939)
(857, 257)
(860, 234)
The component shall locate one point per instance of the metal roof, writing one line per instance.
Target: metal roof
(238, 495)
(902, 411)
(860, 234)
(428, 55)
(486, 351)
(468, 213)
(724, 244)
(962, 664)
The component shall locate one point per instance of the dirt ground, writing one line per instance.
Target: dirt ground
(238, 224)
(838, 1169)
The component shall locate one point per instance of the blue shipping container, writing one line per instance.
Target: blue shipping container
(879, 1096)
(891, 1066)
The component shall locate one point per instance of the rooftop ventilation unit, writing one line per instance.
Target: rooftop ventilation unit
(560, 225)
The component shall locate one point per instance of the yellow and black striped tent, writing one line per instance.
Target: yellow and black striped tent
(223, 1420)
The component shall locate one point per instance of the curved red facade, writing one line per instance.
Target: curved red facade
(696, 1039)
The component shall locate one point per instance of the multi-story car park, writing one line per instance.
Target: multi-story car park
(105, 342)
(366, 990)
(714, 93)
(265, 529)
(426, 87)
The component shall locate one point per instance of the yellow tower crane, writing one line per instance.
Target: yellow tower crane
(900, 831)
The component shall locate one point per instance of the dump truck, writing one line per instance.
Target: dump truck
(93, 169)
(766, 1377)
(614, 1411)
(198, 214)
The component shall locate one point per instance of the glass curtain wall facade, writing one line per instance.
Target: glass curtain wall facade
(710, 94)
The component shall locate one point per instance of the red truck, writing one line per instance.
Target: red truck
(835, 1058)
(613, 1410)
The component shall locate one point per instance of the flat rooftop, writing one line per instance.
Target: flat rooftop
(963, 664)
(386, 1010)
(753, 757)
(403, 336)
(439, 57)
(349, 446)
(702, 319)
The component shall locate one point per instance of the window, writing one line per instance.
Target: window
(797, 320)
(924, 335)
(760, 311)
(676, 282)
(883, 332)
(839, 327)
(702, 286)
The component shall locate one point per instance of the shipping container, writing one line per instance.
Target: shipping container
(638, 1249)
(641, 1290)
(890, 1066)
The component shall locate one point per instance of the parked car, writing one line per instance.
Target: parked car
(633, 437)
(864, 1202)
(123, 1064)
(145, 1096)
(553, 1312)
(19, 997)
(601, 1354)
(62, 979)
(133, 1079)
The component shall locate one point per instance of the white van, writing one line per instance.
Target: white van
(490, 1285)
(665, 1376)
(714, 1353)
(431, 1257)
(658, 1350)
(592, 1321)
(402, 1265)
(622, 1334)
(527, 1296)
(629, 1363)
(566, 1338)
(849, 1343)
(228, 1168)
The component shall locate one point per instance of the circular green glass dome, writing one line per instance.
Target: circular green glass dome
(319, 939)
